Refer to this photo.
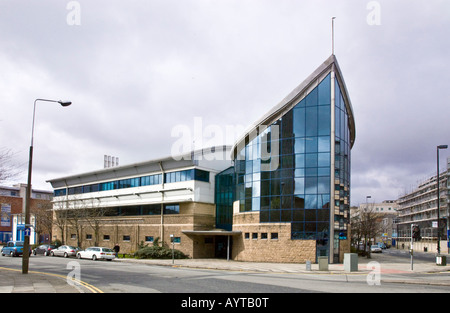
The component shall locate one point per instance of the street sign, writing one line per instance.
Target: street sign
(27, 231)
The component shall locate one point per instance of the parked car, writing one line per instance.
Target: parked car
(13, 248)
(44, 249)
(375, 249)
(96, 253)
(65, 251)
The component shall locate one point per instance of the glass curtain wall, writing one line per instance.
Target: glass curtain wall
(293, 185)
(342, 171)
(224, 199)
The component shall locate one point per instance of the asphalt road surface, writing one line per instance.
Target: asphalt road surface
(122, 277)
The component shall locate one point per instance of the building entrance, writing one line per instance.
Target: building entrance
(223, 246)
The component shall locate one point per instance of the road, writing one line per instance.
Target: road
(122, 277)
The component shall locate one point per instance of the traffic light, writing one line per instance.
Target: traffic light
(416, 233)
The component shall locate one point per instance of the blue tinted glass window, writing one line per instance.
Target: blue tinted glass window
(299, 185)
(60, 192)
(311, 160)
(299, 122)
(311, 202)
(310, 171)
(265, 188)
(323, 184)
(311, 144)
(299, 172)
(323, 144)
(287, 128)
(323, 159)
(299, 160)
(312, 98)
(337, 119)
(324, 122)
(311, 121)
(255, 204)
(311, 185)
(172, 209)
(323, 171)
(299, 146)
(325, 91)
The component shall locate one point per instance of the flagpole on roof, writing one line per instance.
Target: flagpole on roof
(332, 35)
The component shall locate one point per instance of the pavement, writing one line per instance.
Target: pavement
(391, 269)
(13, 281)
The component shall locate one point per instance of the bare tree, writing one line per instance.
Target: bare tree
(75, 218)
(60, 218)
(8, 166)
(77, 215)
(366, 225)
(93, 217)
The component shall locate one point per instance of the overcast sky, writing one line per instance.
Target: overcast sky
(135, 70)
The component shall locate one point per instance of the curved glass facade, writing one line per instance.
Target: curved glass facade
(342, 146)
(287, 173)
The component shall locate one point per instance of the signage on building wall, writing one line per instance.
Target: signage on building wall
(5, 215)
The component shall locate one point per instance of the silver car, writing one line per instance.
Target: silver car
(65, 251)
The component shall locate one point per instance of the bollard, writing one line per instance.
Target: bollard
(441, 260)
(308, 265)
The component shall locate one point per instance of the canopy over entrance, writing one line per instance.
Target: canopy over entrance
(215, 232)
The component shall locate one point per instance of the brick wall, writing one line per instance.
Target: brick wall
(130, 231)
(268, 242)
(16, 208)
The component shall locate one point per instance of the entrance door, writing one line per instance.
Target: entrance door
(221, 246)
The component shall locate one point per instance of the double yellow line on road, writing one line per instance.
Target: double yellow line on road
(90, 287)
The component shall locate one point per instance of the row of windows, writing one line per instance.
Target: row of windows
(149, 209)
(304, 144)
(172, 177)
(254, 236)
(125, 238)
(295, 215)
(298, 185)
(296, 159)
(284, 173)
(193, 174)
(309, 202)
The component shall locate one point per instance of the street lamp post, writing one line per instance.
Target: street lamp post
(411, 250)
(439, 200)
(26, 242)
(367, 245)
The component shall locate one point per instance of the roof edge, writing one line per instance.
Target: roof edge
(297, 95)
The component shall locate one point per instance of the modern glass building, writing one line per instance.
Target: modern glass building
(293, 166)
(284, 196)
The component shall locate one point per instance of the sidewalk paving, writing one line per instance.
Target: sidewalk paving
(400, 267)
(392, 269)
(13, 281)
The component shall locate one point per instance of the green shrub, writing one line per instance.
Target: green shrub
(156, 252)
